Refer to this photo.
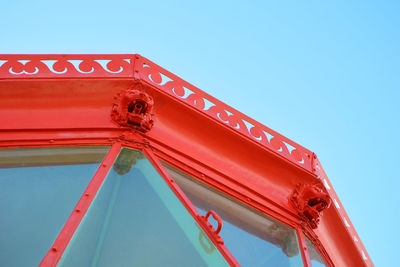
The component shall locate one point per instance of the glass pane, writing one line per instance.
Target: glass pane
(252, 238)
(316, 259)
(39, 188)
(136, 220)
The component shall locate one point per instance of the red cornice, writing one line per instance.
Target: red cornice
(111, 73)
(138, 67)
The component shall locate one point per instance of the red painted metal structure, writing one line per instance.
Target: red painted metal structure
(127, 100)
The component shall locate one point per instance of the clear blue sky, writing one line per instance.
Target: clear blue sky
(324, 73)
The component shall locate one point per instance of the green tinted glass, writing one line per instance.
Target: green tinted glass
(253, 238)
(136, 220)
(39, 188)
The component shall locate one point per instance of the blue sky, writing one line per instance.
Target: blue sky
(323, 73)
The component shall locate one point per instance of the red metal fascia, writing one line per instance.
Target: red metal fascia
(192, 210)
(254, 131)
(60, 244)
(88, 67)
(17, 67)
(277, 153)
(341, 212)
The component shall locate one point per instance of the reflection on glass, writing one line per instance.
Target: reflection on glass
(136, 220)
(316, 259)
(39, 188)
(252, 238)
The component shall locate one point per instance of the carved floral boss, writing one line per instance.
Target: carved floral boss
(310, 200)
(133, 108)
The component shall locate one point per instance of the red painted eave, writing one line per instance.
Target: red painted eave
(53, 98)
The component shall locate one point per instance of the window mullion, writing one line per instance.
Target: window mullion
(303, 248)
(190, 207)
(57, 249)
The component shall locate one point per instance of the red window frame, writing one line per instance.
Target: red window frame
(232, 192)
(56, 251)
